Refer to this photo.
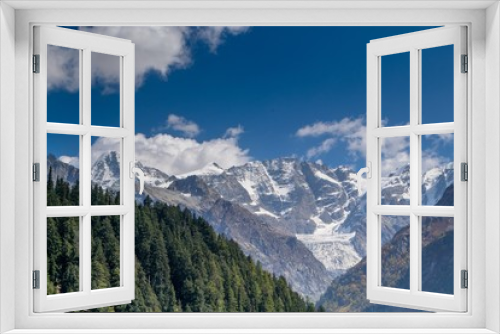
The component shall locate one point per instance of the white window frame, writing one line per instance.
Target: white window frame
(414, 43)
(85, 43)
(482, 19)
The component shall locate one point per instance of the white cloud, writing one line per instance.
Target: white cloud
(180, 155)
(234, 132)
(186, 127)
(430, 160)
(395, 150)
(445, 137)
(350, 131)
(104, 145)
(395, 154)
(62, 68)
(437, 151)
(157, 49)
(324, 147)
(177, 156)
(214, 36)
(73, 161)
(345, 126)
(439, 140)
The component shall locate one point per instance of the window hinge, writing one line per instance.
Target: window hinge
(36, 279)
(464, 171)
(36, 63)
(36, 172)
(465, 64)
(465, 279)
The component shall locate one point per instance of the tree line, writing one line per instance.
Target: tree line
(181, 263)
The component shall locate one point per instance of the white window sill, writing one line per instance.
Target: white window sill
(250, 331)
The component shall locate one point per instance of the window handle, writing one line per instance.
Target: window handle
(365, 170)
(140, 175)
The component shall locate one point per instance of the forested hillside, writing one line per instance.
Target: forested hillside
(182, 265)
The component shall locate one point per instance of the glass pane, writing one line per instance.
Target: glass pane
(437, 254)
(105, 252)
(395, 89)
(437, 84)
(63, 255)
(63, 85)
(395, 171)
(395, 257)
(105, 90)
(437, 169)
(106, 171)
(63, 170)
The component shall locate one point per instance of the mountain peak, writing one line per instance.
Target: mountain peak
(106, 170)
(210, 169)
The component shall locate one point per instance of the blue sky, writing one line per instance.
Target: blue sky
(239, 94)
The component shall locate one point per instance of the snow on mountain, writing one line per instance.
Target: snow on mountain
(62, 170)
(306, 200)
(155, 177)
(210, 169)
(434, 183)
(106, 171)
(324, 177)
(396, 191)
(396, 187)
(332, 247)
(307, 206)
(262, 211)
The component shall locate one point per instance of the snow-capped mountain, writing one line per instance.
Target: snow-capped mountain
(106, 171)
(210, 169)
(300, 219)
(395, 191)
(62, 170)
(434, 182)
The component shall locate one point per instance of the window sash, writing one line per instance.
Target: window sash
(86, 298)
(262, 15)
(413, 43)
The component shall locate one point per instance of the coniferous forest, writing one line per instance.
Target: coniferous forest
(181, 264)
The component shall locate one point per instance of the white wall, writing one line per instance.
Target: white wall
(492, 151)
(7, 185)
(7, 160)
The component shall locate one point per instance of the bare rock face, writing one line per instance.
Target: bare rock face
(62, 170)
(279, 253)
(347, 293)
(300, 219)
(395, 191)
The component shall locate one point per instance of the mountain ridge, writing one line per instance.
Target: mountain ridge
(347, 293)
(312, 211)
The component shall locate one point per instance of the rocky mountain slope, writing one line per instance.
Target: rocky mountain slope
(300, 219)
(62, 170)
(347, 293)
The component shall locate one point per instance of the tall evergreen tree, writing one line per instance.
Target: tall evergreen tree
(182, 265)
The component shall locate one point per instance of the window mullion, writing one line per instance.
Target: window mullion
(85, 176)
(393, 131)
(86, 254)
(85, 162)
(373, 156)
(414, 169)
(433, 129)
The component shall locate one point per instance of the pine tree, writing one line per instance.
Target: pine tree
(182, 265)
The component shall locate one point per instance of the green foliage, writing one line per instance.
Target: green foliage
(181, 265)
